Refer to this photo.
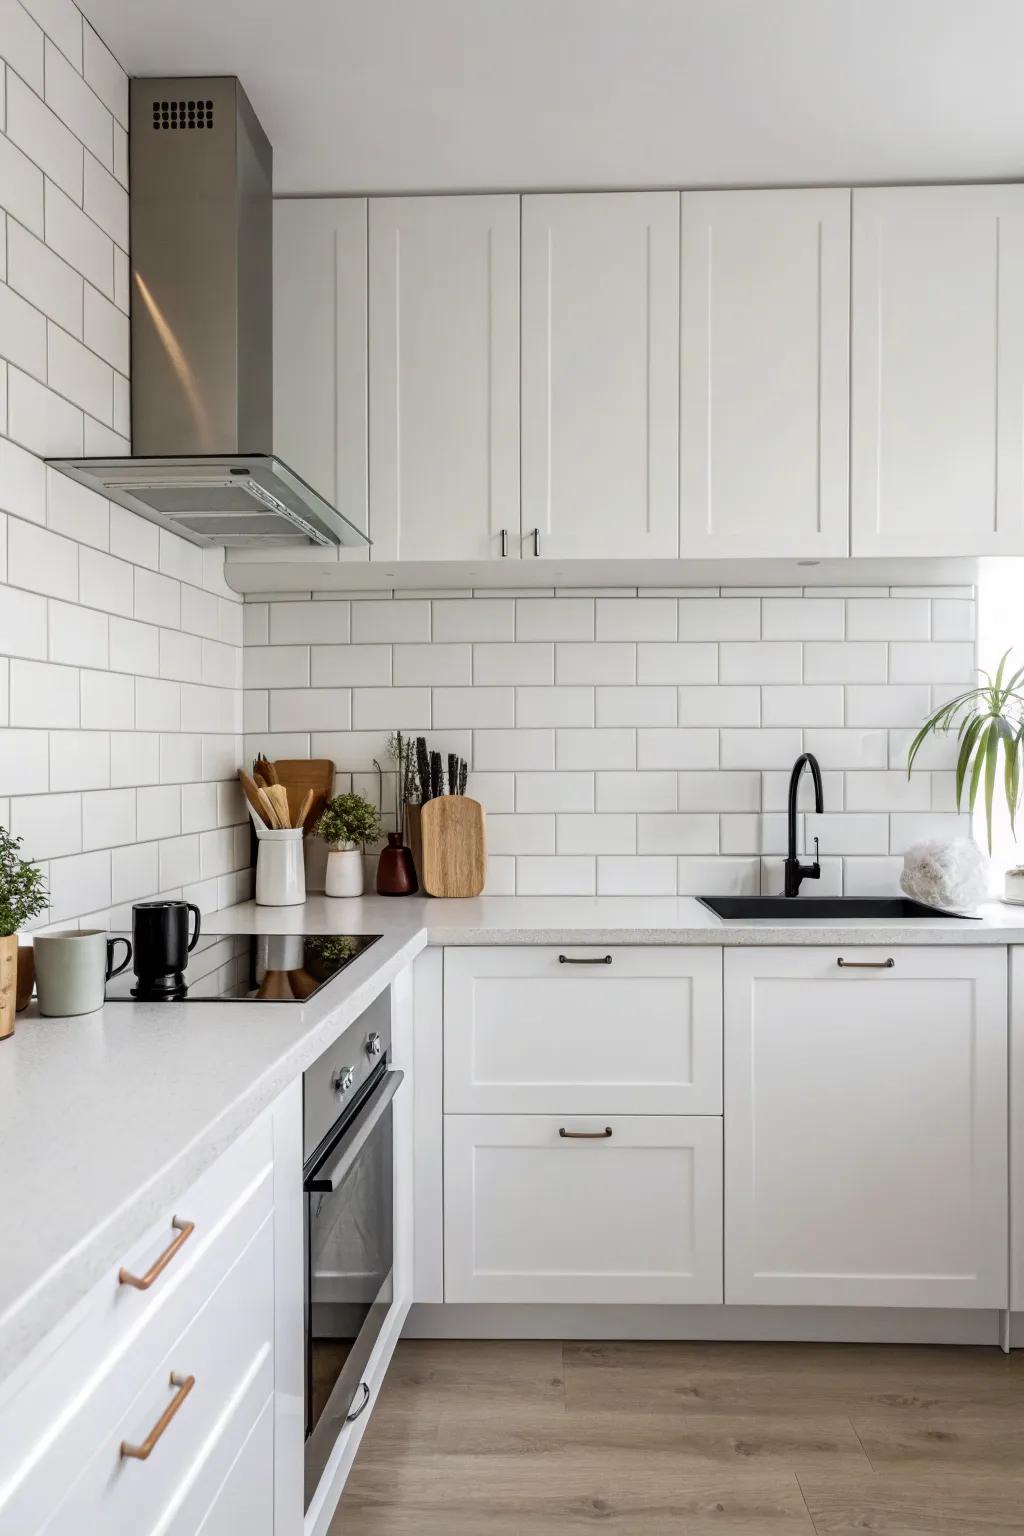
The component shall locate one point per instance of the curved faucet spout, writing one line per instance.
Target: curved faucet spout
(795, 872)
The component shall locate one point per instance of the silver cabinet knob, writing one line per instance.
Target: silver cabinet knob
(343, 1079)
(373, 1044)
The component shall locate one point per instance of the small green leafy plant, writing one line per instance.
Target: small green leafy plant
(349, 819)
(22, 888)
(985, 718)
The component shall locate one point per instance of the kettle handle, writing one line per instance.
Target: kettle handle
(193, 941)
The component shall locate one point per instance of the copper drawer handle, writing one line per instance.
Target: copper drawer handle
(866, 965)
(585, 1135)
(143, 1282)
(142, 1452)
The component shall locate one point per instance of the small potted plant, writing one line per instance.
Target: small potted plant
(22, 897)
(347, 824)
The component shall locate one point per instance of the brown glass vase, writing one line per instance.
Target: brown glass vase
(396, 872)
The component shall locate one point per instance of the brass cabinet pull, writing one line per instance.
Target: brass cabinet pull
(142, 1452)
(143, 1282)
(585, 960)
(585, 1135)
(866, 965)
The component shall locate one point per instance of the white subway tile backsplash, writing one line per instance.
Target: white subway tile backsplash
(134, 647)
(845, 748)
(453, 708)
(387, 709)
(179, 861)
(952, 619)
(560, 875)
(846, 832)
(294, 623)
(280, 666)
(22, 184)
(106, 330)
(759, 661)
(852, 662)
(624, 618)
(200, 611)
(635, 791)
(887, 618)
(533, 833)
(51, 825)
(496, 792)
(910, 828)
(719, 791)
(895, 704)
(802, 618)
(524, 662)
(610, 747)
(157, 598)
(573, 791)
(636, 706)
(607, 663)
(682, 662)
(687, 832)
(22, 623)
(516, 750)
(566, 706)
(921, 662)
(872, 877)
(636, 876)
(24, 759)
(723, 618)
(43, 137)
(43, 695)
(484, 618)
(316, 709)
(106, 200)
(180, 656)
(802, 704)
(105, 75)
(414, 665)
(22, 483)
(181, 758)
(775, 790)
(79, 759)
(82, 244)
(21, 43)
(775, 748)
(46, 281)
(22, 332)
(41, 420)
(673, 747)
(887, 790)
(134, 872)
(78, 635)
(555, 618)
(134, 758)
(602, 832)
(718, 876)
(134, 539)
(79, 884)
(158, 809)
(720, 706)
(754, 834)
(108, 701)
(41, 561)
(108, 818)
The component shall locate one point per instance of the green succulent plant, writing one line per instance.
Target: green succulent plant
(989, 722)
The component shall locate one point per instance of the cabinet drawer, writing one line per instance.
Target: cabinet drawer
(583, 1029)
(67, 1396)
(227, 1350)
(535, 1215)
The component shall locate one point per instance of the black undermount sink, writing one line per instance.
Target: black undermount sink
(893, 909)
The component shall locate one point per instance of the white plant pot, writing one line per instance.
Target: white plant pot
(1014, 887)
(344, 872)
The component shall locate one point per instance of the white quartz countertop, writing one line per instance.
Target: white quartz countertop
(106, 1119)
(608, 920)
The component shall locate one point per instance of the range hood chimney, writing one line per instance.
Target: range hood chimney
(202, 386)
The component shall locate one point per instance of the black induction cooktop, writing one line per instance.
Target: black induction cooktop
(256, 968)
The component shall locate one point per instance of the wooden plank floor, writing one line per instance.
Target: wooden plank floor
(647, 1439)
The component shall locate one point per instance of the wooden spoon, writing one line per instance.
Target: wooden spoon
(278, 797)
(268, 771)
(304, 809)
(252, 792)
(268, 810)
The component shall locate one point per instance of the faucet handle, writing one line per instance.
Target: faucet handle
(816, 854)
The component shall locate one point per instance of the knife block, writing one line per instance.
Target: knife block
(452, 846)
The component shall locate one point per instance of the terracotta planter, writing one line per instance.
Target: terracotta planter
(8, 983)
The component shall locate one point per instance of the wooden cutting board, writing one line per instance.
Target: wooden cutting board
(454, 846)
(301, 773)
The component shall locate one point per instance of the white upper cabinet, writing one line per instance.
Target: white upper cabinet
(764, 407)
(320, 420)
(865, 1100)
(938, 371)
(444, 377)
(600, 418)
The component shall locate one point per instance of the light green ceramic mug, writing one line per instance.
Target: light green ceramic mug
(73, 968)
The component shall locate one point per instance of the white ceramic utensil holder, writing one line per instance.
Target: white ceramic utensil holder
(280, 870)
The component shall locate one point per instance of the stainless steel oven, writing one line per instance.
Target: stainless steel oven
(348, 1177)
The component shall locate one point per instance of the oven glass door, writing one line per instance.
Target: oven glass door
(349, 1269)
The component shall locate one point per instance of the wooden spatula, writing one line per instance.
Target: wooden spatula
(252, 793)
(278, 797)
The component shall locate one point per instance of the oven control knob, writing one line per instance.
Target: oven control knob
(343, 1079)
(373, 1044)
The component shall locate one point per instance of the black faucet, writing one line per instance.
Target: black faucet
(795, 871)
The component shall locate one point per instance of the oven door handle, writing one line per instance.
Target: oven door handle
(332, 1173)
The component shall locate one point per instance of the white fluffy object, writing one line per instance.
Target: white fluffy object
(953, 875)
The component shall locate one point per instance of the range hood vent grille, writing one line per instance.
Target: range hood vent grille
(183, 114)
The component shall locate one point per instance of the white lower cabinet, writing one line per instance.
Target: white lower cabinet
(865, 1111)
(616, 1208)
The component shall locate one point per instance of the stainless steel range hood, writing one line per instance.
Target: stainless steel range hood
(203, 461)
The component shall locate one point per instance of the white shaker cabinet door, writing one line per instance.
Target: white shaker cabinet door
(320, 388)
(601, 375)
(605, 1208)
(938, 371)
(444, 378)
(866, 1110)
(764, 378)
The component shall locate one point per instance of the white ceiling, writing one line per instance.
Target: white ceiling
(390, 95)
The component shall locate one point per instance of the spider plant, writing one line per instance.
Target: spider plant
(985, 718)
